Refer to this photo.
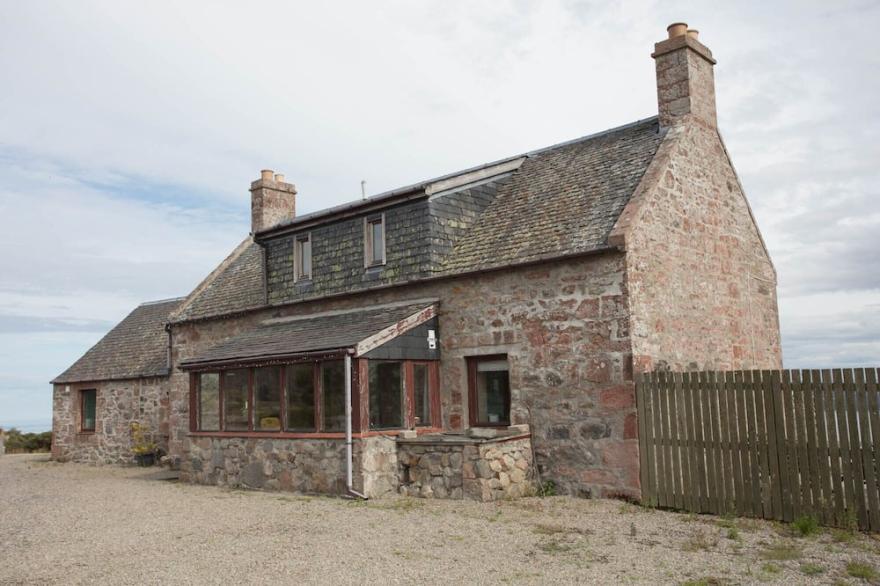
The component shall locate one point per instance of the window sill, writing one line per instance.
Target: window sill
(305, 435)
(87, 432)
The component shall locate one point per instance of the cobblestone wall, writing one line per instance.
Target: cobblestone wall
(118, 405)
(481, 470)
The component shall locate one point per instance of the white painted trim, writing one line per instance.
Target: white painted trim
(392, 331)
(426, 301)
(474, 176)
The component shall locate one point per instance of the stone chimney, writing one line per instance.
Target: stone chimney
(685, 78)
(273, 201)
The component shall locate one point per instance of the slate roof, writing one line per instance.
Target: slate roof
(136, 348)
(235, 287)
(330, 331)
(563, 200)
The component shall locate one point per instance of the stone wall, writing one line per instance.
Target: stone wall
(298, 465)
(485, 470)
(565, 328)
(118, 405)
(702, 287)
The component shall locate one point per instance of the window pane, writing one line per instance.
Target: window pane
(301, 397)
(493, 394)
(89, 399)
(421, 393)
(377, 243)
(209, 401)
(386, 395)
(333, 387)
(235, 400)
(267, 398)
(306, 259)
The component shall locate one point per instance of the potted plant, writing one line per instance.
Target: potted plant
(143, 448)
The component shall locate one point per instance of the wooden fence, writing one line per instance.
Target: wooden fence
(773, 444)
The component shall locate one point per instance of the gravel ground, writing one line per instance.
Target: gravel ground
(74, 524)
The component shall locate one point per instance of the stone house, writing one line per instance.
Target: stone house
(465, 336)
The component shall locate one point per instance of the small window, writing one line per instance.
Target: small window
(301, 397)
(302, 259)
(88, 405)
(209, 401)
(374, 240)
(386, 395)
(489, 391)
(333, 389)
(235, 400)
(267, 398)
(422, 394)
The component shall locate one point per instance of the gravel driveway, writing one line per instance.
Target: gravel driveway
(73, 524)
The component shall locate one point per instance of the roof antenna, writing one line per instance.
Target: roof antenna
(363, 189)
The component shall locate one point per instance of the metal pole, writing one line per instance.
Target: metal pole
(348, 454)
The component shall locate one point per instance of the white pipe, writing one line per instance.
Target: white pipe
(349, 458)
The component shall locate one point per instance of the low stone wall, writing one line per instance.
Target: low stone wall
(460, 467)
(296, 465)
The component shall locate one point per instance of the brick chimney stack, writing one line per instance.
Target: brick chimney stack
(273, 201)
(685, 78)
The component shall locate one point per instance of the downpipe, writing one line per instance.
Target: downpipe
(349, 455)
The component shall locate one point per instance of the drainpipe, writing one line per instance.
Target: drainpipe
(349, 457)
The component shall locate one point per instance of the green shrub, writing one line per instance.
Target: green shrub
(806, 525)
(863, 571)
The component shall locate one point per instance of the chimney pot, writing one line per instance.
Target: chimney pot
(266, 175)
(677, 29)
(279, 177)
(694, 34)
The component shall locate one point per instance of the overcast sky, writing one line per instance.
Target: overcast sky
(129, 133)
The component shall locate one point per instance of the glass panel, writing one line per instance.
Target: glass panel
(377, 244)
(493, 394)
(386, 395)
(235, 400)
(421, 392)
(333, 387)
(267, 398)
(301, 397)
(209, 401)
(306, 265)
(89, 399)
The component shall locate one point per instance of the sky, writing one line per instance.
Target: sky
(130, 132)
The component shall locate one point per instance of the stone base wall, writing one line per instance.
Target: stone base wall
(481, 470)
(298, 465)
(119, 404)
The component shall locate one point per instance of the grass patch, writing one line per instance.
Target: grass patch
(554, 547)
(733, 533)
(705, 581)
(769, 568)
(805, 525)
(812, 569)
(781, 552)
(699, 541)
(843, 535)
(862, 571)
(549, 529)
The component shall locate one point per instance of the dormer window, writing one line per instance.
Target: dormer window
(302, 257)
(374, 240)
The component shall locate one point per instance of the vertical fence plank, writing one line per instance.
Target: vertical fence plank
(710, 426)
(644, 459)
(838, 494)
(699, 465)
(745, 454)
(822, 461)
(650, 405)
(810, 422)
(840, 413)
(786, 453)
(768, 440)
(672, 382)
(660, 410)
(683, 477)
(724, 444)
(864, 421)
(668, 438)
(800, 423)
(874, 446)
(749, 383)
(688, 455)
(854, 446)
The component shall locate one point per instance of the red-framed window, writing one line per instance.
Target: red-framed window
(309, 397)
(489, 391)
(88, 410)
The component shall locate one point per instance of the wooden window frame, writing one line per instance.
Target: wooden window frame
(472, 362)
(82, 411)
(405, 393)
(369, 221)
(360, 401)
(298, 275)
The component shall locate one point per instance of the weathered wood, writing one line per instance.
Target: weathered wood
(646, 462)
(713, 455)
(699, 467)
(838, 494)
(772, 447)
(839, 392)
(749, 385)
(660, 410)
(689, 454)
(803, 465)
(747, 502)
(823, 468)
(865, 451)
(852, 411)
(872, 390)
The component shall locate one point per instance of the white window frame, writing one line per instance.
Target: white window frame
(368, 240)
(297, 276)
